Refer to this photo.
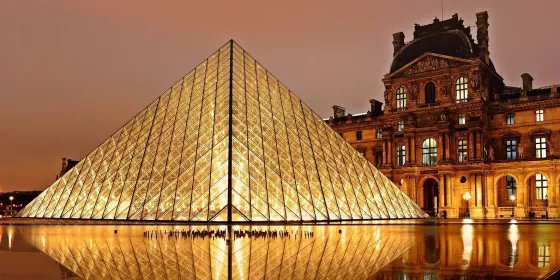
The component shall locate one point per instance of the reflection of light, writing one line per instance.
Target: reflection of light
(467, 237)
(467, 221)
(43, 242)
(10, 236)
(513, 236)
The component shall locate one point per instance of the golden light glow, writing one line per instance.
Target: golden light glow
(467, 196)
(228, 136)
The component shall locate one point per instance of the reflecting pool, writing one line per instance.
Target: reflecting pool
(279, 252)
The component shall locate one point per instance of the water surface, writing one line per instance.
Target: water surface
(300, 252)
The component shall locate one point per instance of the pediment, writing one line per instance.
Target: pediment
(429, 62)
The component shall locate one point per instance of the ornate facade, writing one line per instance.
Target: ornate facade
(451, 129)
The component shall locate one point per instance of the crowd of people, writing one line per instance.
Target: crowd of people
(217, 234)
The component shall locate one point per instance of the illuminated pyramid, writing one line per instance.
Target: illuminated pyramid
(228, 142)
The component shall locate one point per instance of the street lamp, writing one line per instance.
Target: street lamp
(467, 197)
(512, 198)
(546, 201)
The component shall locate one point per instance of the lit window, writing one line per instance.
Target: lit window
(511, 149)
(401, 155)
(543, 258)
(462, 89)
(511, 186)
(540, 147)
(510, 118)
(462, 151)
(430, 93)
(401, 98)
(359, 135)
(540, 115)
(462, 118)
(542, 186)
(429, 152)
(400, 126)
(379, 133)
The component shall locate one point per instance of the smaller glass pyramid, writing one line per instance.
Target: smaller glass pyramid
(228, 142)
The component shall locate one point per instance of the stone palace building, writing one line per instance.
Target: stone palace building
(452, 135)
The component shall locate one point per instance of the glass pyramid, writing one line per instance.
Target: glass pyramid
(228, 142)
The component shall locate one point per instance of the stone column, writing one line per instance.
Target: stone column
(384, 155)
(471, 145)
(413, 149)
(479, 148)
(448, 144)
(408, 150)
(521, 196)
(440, 148)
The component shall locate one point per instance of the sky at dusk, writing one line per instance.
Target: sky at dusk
(73, 72)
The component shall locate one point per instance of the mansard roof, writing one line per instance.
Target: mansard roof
(448, 37)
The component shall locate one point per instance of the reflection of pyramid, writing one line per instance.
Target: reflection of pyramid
(357, 253)
(228, 142)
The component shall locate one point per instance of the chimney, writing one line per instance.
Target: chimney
(64, 164)
(339, 111)
(398, 42)
(375, 107)
(482, 36)
(527, 83)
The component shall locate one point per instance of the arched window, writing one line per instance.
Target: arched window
(429, 152)
(542, 186)
(430, 93)
(401, 98)
(511, 186)
(462, 89)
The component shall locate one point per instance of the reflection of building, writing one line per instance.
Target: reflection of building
(450, 126)
(478, 252)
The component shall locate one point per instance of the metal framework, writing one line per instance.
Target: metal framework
(226, 143)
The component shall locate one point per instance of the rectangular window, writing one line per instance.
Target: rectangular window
(400, 126)
(511, 149)
(462, 119)
(462, 151)
(542, 186)
(359, 135)
(540, 115)
(510, 118)
(540, 147)
(401, 99)
(401, 155)
(379, 133)
(543, 256)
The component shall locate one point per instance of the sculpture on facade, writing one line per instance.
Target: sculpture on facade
(519, 151)
(446, 86)
(388, 95)
(476, 79)
(428, 64)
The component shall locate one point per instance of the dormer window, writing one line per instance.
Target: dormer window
(359, 135)
(401, 98)
(462, 89)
